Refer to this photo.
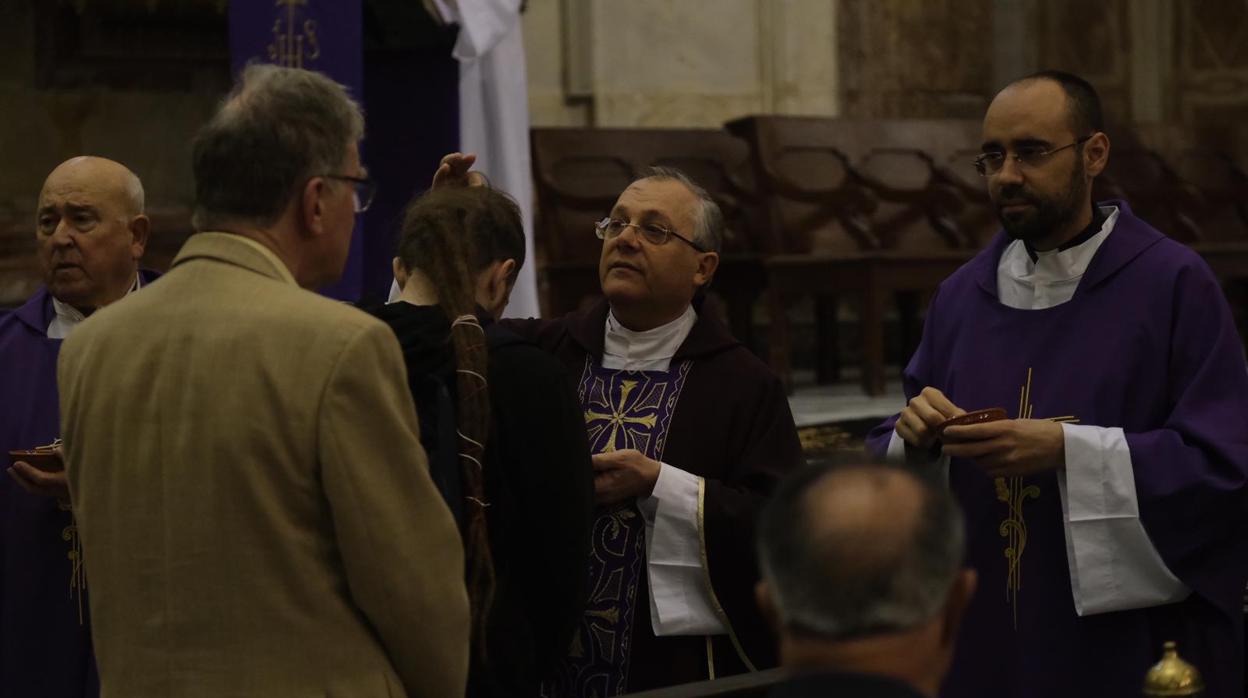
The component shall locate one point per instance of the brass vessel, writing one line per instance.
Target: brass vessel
(1172, 676)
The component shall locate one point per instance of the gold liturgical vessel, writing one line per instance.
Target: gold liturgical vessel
(1172, 676)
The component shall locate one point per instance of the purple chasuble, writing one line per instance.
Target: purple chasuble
(45, 640)
(1147, 344)
(623, 410)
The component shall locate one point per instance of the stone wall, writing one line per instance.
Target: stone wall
(679, 63)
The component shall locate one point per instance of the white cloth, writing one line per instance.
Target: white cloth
(680, 603)
(68, 317)
(1113, 564)
(680, 600)
(651, 350)
(494, 114)
(1052, 279)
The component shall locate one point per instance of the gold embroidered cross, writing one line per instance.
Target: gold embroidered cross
(622, 415)
(1013, 492)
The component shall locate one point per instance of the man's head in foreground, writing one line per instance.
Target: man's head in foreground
(862, 572)
(91, 231)
(279, 163)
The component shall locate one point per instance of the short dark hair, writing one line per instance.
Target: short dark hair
(823, 584)
(1084, 105)
(278, 127)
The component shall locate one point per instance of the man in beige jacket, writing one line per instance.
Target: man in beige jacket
(256, 513)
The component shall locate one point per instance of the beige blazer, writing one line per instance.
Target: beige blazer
(256, 512)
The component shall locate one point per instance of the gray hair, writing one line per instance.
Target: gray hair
(278, 127)
(837, 581)
(709, 225)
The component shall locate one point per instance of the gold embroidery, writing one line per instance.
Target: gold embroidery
(1014, 493)
(77, 575)
(625, 423)
(288, 48)
(706, 572)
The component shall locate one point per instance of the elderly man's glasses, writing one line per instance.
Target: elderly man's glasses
(365, 190)
(1026, 156)
(655, 234)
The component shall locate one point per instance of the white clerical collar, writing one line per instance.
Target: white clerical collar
(68, 317)
(1054, 275)
(649, 350)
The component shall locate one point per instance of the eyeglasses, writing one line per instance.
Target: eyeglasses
(653, 233)
(365, 190)
(1028, 156)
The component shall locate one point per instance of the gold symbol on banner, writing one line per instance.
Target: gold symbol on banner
(1013, 492)
(294, 41)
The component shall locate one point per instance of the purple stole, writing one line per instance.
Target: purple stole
(623, 410)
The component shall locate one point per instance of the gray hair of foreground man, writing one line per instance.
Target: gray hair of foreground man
(710, 231)
(276, 129)
(844, 572)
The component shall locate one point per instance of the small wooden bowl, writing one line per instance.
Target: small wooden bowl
(46, 460)
(992, 414)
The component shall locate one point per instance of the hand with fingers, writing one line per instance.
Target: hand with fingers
(918, 421)
(45, 483)
(621, 475)
(1010, 447)
(455, 170)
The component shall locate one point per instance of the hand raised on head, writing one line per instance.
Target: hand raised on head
(455, 171)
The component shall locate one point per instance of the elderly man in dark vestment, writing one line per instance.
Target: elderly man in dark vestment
(690, 433)
(1105, 516)
(91, 232)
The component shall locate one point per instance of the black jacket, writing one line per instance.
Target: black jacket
(538, 480)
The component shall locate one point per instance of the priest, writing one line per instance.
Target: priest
(690, 433)
(1105, 516)
(91, 232)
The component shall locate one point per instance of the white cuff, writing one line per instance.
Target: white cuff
(896, 455)
(1113, 564)
(680, 597)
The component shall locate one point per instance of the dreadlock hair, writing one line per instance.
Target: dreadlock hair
(450, 234)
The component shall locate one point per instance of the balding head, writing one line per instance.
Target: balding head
(853, 551)
(91, 230)
(104, 178)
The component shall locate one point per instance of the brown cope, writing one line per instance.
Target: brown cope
(733, 427)
(255, 507)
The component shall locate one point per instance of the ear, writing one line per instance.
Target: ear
(1096, 154)
(960, 595)
(311, 206)
(400, 272)
(140, 233)
(494, 286)
(708, 262)
(767, 606)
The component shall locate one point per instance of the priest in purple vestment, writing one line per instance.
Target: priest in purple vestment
(91, 232)
(1105, 515)
(690, 433)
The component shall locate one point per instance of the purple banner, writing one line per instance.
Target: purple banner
(321, 35)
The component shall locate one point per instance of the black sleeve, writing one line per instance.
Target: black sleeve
(546, 454)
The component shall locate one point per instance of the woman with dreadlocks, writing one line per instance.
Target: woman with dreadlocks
(503, 432)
